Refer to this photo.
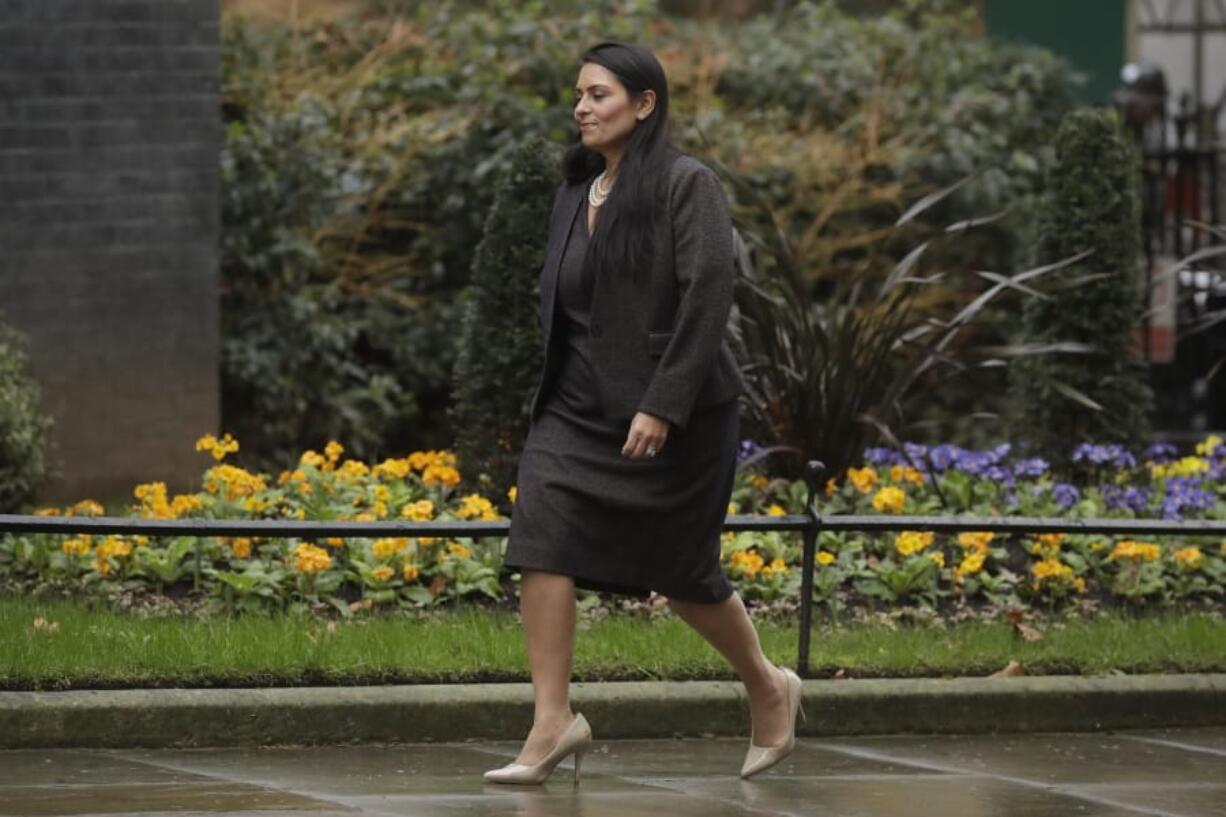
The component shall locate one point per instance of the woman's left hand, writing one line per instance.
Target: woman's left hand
(646, 431)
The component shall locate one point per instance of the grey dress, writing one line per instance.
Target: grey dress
(616, 524)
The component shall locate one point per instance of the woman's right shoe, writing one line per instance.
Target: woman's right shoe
(761, 758)
(575, 739)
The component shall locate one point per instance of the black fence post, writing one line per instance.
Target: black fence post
(813, 474)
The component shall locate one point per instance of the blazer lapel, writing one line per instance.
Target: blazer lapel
(568, 208)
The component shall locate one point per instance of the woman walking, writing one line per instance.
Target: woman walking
(628, 466)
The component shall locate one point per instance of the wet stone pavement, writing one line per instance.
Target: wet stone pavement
(1159, 772)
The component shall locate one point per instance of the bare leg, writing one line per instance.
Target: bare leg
(547, 607)
(727, 627)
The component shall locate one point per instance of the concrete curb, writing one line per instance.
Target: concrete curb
(643, 709)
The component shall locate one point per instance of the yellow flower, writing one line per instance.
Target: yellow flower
(382, 573)
(422, 460)
(113, 546)
(831, 486)
(911, 541)
(76, 546)
(749, 562)
(1189, 558)
(1079, 584)
(905, 473)
(474, 505)
(938, 557)
(186, 503)
(256, 504)
(777, 565)
(232, 483)
(241, 546)
(47, 512)
(420, 511)
(311, 559)
(218, 448)
(87, 507)
(759, 481)
(440, 474)
(1047, 545)
(824, 557)
(976, 540)
(731, 509)
(889, 500)
(1140, 551)
(312, 458)
(352, 471)
(387, 548)
(392, 468)
(776, 510)
(333, 451)
(410, 572)
(1185, 467)
(971, 564)
(459, 551)
(1052, 569)
(512, 493)
(863, 478)
(1209, 445)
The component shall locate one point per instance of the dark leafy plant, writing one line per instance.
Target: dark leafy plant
(1091, 205)
(500, 343)
(24, 429)
(827, 377)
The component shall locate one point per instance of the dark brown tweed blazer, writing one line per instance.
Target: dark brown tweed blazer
(658, 345)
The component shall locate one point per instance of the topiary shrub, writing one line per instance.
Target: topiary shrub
(1091, 204)
(500, 351)
(23, 427)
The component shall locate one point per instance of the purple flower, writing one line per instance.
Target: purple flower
(1113, 454)
(1064, 495)
(1119, 498)
(916, 452)
(943, 456)
(748, 449)
(1161, 452)
(1032, 467)
(998, 473)
(1185, 494)
(882, 455)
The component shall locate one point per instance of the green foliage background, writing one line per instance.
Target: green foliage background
(1092, 204)
(362, 152)
(24, 429)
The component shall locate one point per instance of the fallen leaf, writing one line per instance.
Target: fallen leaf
(1027, 632)
(1011, 670)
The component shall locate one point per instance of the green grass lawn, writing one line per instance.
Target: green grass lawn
(102, 649)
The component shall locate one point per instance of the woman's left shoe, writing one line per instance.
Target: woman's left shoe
(575, 740)
(761, 758)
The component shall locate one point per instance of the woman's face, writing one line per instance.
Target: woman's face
(603, 109)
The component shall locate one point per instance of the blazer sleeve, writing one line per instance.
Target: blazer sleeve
(703, 259)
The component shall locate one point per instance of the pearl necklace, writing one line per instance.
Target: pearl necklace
(597, 197)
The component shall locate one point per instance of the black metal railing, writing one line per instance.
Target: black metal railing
(810, 524)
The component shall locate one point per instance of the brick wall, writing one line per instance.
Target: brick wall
(109, 218)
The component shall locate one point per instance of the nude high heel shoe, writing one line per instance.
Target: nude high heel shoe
(761, 758)
(575, 739)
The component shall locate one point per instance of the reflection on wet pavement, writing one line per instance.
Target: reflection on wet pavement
(1156, 772)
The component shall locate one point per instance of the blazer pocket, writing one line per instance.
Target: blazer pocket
(657, 342)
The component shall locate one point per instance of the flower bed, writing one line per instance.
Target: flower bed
(960, 573)
(855, 573)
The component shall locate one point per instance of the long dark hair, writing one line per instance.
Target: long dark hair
(624, 241)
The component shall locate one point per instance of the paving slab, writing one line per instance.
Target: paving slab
(1165, 773)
